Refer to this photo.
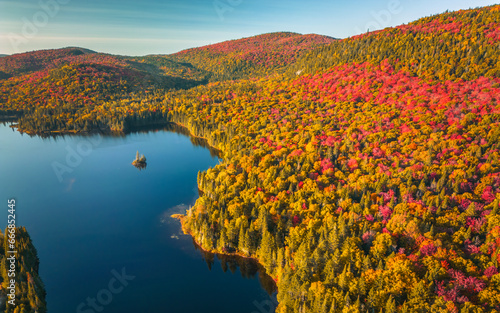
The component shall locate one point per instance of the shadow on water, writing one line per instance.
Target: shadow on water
(248, 267)
(9, 122)
(170, 127)
(140, 166)
(174, 128)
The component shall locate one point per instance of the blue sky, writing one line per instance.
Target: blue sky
(162, 26)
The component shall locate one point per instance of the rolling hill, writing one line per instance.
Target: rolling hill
(71, 79)
(42, 84)
(29, 62)
(255, 56)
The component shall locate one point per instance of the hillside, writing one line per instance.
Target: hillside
(255, 56)
(73, 82)
(25, 63)
(364, 174)
(450, 46)
(357, 186)
(66, 81)
(165, 66)
(363, 184)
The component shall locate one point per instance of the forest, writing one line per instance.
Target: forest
(29, 288)
(362, 173)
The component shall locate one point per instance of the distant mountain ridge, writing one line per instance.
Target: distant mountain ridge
(73, 72)
(252, 56)
(256, 55)
(28, 62)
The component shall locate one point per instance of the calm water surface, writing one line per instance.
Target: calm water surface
(90, 212)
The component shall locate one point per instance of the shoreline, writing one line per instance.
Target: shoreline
(8, 118)
(181, 218)
(185, 130)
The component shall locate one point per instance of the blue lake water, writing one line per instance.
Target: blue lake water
(94, 217)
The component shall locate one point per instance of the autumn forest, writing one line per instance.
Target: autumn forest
(362, 173)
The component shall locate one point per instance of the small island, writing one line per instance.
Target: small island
(140, 161)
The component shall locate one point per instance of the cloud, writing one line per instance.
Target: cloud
(165, 217)
(167, 220)
(105, 39)
(165, 14)
(15, 4)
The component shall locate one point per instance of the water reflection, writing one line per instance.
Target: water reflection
(79, 250)
(196, 141)
(248, 267)
(140, 166)
(170, 127)
(174, 128)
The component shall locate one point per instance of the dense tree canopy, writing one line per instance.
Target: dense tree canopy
(364, 174)
(29, 289)
(251, 57)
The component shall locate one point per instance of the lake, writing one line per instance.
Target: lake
(103, 230)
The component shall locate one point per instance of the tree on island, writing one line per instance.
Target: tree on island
(140, 161)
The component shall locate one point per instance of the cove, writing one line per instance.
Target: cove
(95, 218)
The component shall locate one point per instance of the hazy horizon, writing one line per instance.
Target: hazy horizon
(164, 27)
(80, 47)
